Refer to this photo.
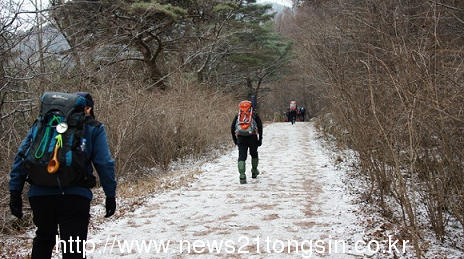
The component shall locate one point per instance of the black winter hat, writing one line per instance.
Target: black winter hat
(88, 101)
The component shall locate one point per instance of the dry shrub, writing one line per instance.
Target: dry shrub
(15, 120)
(391, 75)
(155, 128)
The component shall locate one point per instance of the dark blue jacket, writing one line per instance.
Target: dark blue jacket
(98, 154)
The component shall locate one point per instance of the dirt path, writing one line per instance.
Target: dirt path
(296, 208)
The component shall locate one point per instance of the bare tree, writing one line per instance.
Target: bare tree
(390, 73)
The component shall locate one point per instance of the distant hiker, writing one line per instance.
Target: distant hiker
(292, 113)
(247, 133)
(61, 208)
(302, 113)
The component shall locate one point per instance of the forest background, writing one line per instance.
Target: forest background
(383, 78)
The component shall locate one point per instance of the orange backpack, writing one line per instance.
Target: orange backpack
(245, 125)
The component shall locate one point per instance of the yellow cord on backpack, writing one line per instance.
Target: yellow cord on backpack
(53, 165)
(59, 140)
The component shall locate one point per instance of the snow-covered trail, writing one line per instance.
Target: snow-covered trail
(296, 208)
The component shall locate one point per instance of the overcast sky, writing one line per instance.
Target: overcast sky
(282, 2)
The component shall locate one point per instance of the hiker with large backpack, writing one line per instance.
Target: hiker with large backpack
(57, 158)
(247, 133)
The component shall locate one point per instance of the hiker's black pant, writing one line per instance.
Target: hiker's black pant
(71, 213)
(245, 143)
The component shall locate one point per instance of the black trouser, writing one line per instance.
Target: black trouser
(245, 143)
(71, 213)
(292, 117)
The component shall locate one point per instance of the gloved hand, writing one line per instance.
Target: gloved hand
(260, 142)
(16, 204)
(235, 141)
(110, 206)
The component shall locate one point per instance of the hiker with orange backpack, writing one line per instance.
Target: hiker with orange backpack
(247, 133)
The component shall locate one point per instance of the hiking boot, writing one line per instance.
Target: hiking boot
(242, 170)
(254, 167)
